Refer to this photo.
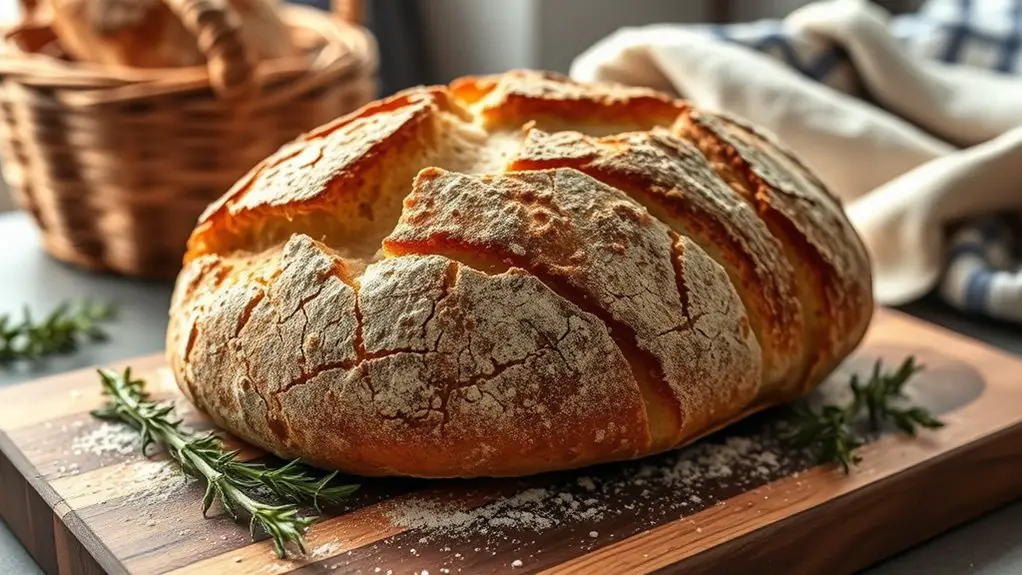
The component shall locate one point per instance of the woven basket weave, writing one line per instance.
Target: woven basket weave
(115, 164)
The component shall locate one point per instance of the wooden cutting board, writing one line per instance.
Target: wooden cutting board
(82, 500)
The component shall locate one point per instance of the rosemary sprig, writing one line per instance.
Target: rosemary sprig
(227, 479)
(830, 431)
(62, 331)
(291, 481)
(880, 393)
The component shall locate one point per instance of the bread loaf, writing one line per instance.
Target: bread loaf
(510, 275)
(147, 33)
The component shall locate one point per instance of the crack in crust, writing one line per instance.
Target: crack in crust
(408, 381)
(511, 275)
(673, 180)
(594, 246)
(834, 279)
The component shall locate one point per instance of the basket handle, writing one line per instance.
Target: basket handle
(217, 28)
(348, 10)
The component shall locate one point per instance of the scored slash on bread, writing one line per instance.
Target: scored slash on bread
(832, 270)
(512, 275)
(674, 182)
(679, 322)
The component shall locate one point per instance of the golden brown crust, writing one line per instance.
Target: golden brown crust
(380, 378)
(325, 170)
(472, 281)
(596, 246)
(673, 180)
(551, 100)
(832, 264)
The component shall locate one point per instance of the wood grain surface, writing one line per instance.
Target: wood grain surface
(83, 500)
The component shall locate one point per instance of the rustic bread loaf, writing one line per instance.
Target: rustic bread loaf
(510, 275)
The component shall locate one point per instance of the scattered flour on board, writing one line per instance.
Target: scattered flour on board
(321, 552)
(529, 509)
(108, 438)
(662, 487)
(156, 482)
(326, 550)
(136, 480)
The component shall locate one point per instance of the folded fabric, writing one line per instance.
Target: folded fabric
(962, 104)
(982, 274)
(979, 34)
(985, 34)
(904, 221)
(852, 146)
(814, 57)
(844, 85)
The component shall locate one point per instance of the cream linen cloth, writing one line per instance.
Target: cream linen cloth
(947, 143)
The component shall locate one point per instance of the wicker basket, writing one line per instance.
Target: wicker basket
(116, 164)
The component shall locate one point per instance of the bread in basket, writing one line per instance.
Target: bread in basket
(153, 34)
(116, 163)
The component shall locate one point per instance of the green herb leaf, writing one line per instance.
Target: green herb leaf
(228, 480)
(828, 434)
(880, 397)
(63, 330)
(829, 431)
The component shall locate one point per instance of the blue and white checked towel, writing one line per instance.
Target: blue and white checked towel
(983, 273)
(909, 188)
(980, 33)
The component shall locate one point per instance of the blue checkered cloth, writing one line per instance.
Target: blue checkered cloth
(983, 271)
(981, 33)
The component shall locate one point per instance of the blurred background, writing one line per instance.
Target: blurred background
(434, 41)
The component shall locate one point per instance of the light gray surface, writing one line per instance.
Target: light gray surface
(28, 277)
(991, 545)
(14, 560)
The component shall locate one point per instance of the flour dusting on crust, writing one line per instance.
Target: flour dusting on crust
(512, 274)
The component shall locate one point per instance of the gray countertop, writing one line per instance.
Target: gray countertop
(989, 545)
